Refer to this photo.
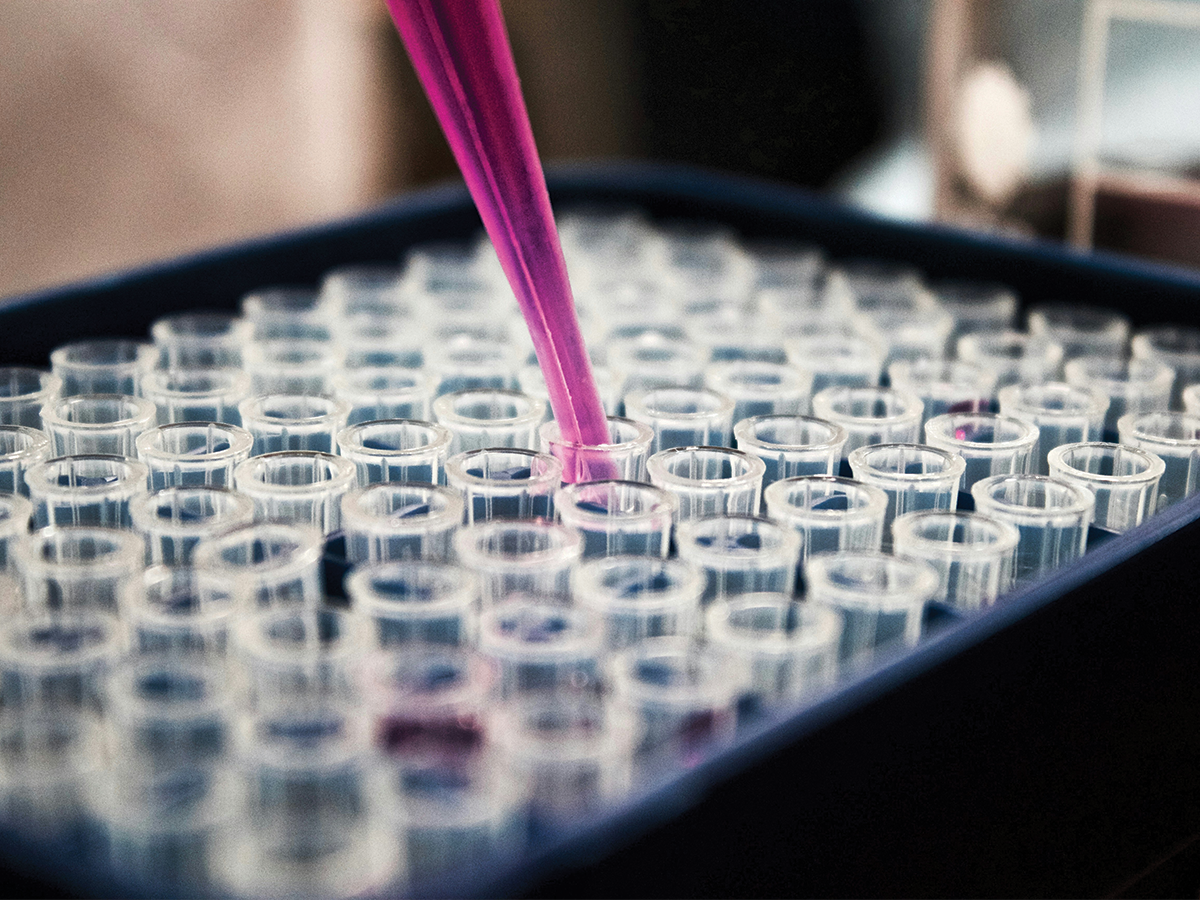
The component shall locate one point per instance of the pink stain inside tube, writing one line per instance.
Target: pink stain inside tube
(461, 53)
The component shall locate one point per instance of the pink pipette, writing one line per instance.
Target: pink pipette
(461, 53)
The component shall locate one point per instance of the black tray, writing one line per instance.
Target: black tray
(1047, 747)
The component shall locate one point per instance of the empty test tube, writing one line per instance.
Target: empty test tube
(354, 289)
(914, 477)
(479, 419)
(914, 332)
(52, 663)
(272, 564)
(73, 569)
(400, 520)
(1052, 517)
(193, 453)
(683, 417)
(708, 481)
(85, 490)
(104, 366)
(201, 340)
(417, 601)
(639, 597)
(989, 444)
(740, 555)
(1123, 479)
(385, 393)
(976, 306)
(571, 755)
(197, 395)
(830, 513)
(789, 650)
(791, 445)
(293, 422)
(683, 694)
(467, 362)
(15, 515)
(1014, 357)
(374, 343)
(618, 517)
(1177, 347)
(836, 357)
(1175, 439)
(1081, 330)
(652, 360)
(180, 611)
(761, 388)
(1064, 414)
(21, 447)
(286, 312)
(505, 483)
(1132, 386)
(972, 554)
(297, 486)
(97, 423)
(530, 557)
(541, 647)
(623, 458)
(871, 415)
(391, 450)
(881, 598)
(173, 520)
(945, 387)
(23, 393)
(292, 366)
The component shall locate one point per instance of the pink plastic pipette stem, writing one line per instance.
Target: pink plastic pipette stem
(461, 53)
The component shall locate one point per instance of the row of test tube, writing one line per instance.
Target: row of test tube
(528, 628)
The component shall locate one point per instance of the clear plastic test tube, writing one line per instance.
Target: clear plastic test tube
(478, 419)
(972, 554)
(103, 366)
(505, 483)
(1051, 515)
(914, 477)
(201, 340)
(85, 490)
(618, 517)
(571, 755)
(881, 599)
(73, 569)
(292, 366)
(683, 417)
(173, 520)
(293, 422)
(392, 450)
(945, 387)
(761, 388)
(21, 447)
(624, 457)
(181, 611)
(416, 601)
(708, 481)
(23, 393)
(836, 357)
(1178, 347)
(1014, 357)
(1132, 386)
(54, 664)
(788, 649)
(989, 443)
(740, 555)
(286, 312)
(193, 453)
(272, 564)
(684, 695)
(385, 393)
(97, 423)
(531, 557)
(400, 520)
(871, 415)
(1064, 414)
(541, 647)
(1174, 438)
(640, 597)
(1123, 479)
(652, 360)
(1081, 330)
(297, 486)
(830, 513)
(976, 306)
(197, 395)
(15, 515)
(790, 446)
(468, 362)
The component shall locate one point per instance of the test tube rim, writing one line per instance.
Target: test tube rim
(247, 634)
(955, 465)
(924, 586)
(143, 516)
(1127, 427)
(38, 439)
(744, 432)
(683, 595)
(125, 543)
(472, 693)
(342, 473)
(799, 378)
(828, 625)
(569, 542)
(142, 610)
(722, 687)
(1085, 500)
(144, 412)
(586, 637)
(353, 515)
(134, 479)
(786, 550)
(564, 500)
(350, 439)
(913, 411)
(1012, 400)
(366, 599)
(1006, 541)
(1153, 472)
(50, 384)
(307, 541)
(1080, 372)
(156, 381)
(635, 404)
(656, 467)
(875, 507)
(551, 476)
(240, 441)
(443, 408)
(144, 357)
(1027, 441)
(254, 408)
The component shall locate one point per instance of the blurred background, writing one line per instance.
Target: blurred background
(141, 131)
